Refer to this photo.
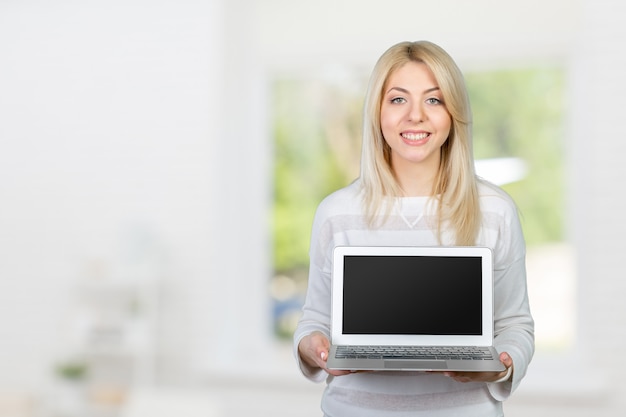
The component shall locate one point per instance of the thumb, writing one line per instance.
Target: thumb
(322, 348)
(505, 358)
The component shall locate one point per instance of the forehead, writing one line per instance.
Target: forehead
(412, 73)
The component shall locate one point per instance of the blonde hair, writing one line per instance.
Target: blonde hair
(455, 185)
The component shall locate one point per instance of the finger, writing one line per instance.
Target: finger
(457, 376)
(320, 345)
(323, 360)
(338, 372)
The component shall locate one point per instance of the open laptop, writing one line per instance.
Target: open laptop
(413, 309)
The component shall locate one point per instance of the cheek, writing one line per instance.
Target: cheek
(388, 119)
(384, 118)
(444, 123)
(385, 124)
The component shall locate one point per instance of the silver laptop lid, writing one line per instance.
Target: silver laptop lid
(430, 296)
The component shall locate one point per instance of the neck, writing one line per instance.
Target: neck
(416, 180)
(416, 187)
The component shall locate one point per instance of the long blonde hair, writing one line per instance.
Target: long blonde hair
(455, 185)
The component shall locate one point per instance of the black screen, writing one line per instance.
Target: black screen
(404, 295)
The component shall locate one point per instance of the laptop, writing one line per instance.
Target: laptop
(412, 309)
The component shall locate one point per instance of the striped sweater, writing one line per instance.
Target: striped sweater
(339, 220)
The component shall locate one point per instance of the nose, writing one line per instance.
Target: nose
(416, 113)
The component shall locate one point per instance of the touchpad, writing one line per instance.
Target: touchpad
(400, 364)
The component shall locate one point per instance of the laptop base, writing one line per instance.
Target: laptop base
(383, 363)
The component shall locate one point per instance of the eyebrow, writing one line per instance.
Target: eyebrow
(405, 91)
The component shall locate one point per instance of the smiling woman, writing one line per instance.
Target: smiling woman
(456, 209)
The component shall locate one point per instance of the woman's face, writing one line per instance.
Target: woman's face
(414, 120)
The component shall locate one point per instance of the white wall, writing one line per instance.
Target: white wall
(110, 121)
(597, 174)
(300, 35)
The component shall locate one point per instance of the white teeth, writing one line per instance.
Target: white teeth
(415, 136)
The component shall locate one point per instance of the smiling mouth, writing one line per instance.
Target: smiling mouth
(415, 136)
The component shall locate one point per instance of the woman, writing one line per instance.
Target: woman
(418, 187)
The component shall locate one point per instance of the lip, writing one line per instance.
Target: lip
(415, 137)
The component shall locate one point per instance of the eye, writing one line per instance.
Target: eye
(433, 100)
(398, 100)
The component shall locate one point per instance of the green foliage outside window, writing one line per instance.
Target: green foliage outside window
(317, 139)
(519, 113)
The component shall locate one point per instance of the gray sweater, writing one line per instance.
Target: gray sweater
(339, 220)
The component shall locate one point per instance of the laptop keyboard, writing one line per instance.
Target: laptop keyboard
(414, 352)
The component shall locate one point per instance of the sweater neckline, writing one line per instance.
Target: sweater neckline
(411, 209)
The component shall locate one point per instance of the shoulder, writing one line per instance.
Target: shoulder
(346, 200)
(337, 212)
(495, 199)
(501, 227)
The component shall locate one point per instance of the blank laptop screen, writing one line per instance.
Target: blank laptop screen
(422, 295)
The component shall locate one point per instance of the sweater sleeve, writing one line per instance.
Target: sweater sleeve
(314, 317)
(513, 322)
(316, 309)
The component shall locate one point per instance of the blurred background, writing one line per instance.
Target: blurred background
(161, 161)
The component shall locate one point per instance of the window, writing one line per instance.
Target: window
(317, 150)
(518, 131)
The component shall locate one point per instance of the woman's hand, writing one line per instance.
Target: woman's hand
(313, 350)
(484, 376)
